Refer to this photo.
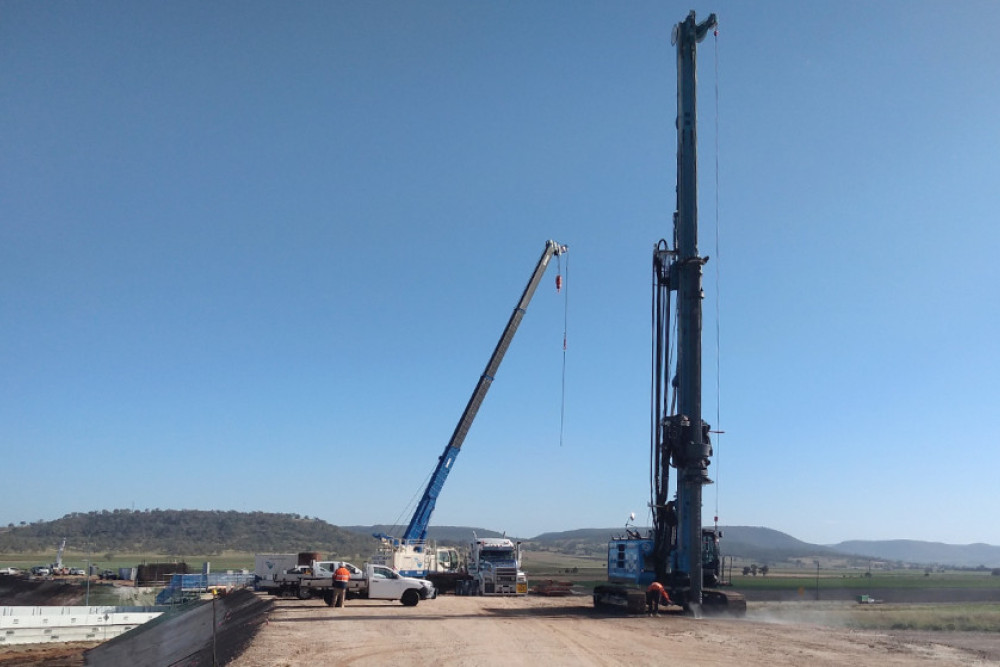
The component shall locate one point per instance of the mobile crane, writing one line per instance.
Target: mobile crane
(678, 552)
(411, 554)
(57, 568)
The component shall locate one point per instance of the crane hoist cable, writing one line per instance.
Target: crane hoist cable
(559, 285)
(718, 298)
(398, 522)
(661, 351)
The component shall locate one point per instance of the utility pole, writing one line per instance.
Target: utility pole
(90, 549)
(817, 580)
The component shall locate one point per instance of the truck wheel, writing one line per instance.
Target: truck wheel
(328, 598)
(410, 598)
(305, 594)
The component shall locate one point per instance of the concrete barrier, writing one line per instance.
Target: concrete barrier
(38, 625)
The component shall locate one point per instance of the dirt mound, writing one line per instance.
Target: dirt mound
(15, 591)
(49, 655)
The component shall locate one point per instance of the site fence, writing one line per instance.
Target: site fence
(183, 587)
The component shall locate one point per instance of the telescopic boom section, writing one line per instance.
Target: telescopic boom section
(417, 530)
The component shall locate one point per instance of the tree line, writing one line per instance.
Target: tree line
(179, 532)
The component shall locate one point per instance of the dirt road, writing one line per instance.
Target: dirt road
(568, 631)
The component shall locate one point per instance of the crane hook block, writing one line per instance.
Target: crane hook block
(558, 283)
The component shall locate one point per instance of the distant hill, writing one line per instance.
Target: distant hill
(587, 542)
(762, 545)
(927, 553)
(183, 532)
(768, 546)
(204, 533)
(582, 534)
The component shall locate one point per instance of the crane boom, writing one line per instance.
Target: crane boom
(59, 554)
(417, 529)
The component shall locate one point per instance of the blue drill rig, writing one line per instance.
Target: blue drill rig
(677, 552)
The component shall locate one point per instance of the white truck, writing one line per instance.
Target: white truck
(374, 582)
(316, 579)
(495, 566)
(268, 566)
(380, 582)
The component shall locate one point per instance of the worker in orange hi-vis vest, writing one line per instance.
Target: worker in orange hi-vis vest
(340, 578)
(654, 594)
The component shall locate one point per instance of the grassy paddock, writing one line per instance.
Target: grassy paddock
(840, 580)
(952, 617)
(582, 571)
(219, 562)
(547, 564)
(940, 617)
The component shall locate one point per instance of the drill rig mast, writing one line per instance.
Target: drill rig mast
(677, 552)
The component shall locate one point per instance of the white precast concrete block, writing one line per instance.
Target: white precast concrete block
(32, 625)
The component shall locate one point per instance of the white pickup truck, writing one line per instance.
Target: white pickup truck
(375, 582)
(314, 580)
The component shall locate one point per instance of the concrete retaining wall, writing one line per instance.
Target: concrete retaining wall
(37, 625)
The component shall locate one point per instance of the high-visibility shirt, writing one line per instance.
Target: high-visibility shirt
(657, 587)
(342, 575)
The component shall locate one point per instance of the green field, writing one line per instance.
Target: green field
(832, 579)
(946, 617)
(219, 562)
(954, 617)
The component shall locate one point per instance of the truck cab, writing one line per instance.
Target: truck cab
(495, 566)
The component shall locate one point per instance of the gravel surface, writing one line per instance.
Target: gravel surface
(454, 630)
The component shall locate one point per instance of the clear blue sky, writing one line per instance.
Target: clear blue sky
(255, 255)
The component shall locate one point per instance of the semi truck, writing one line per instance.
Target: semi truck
(495, 566)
